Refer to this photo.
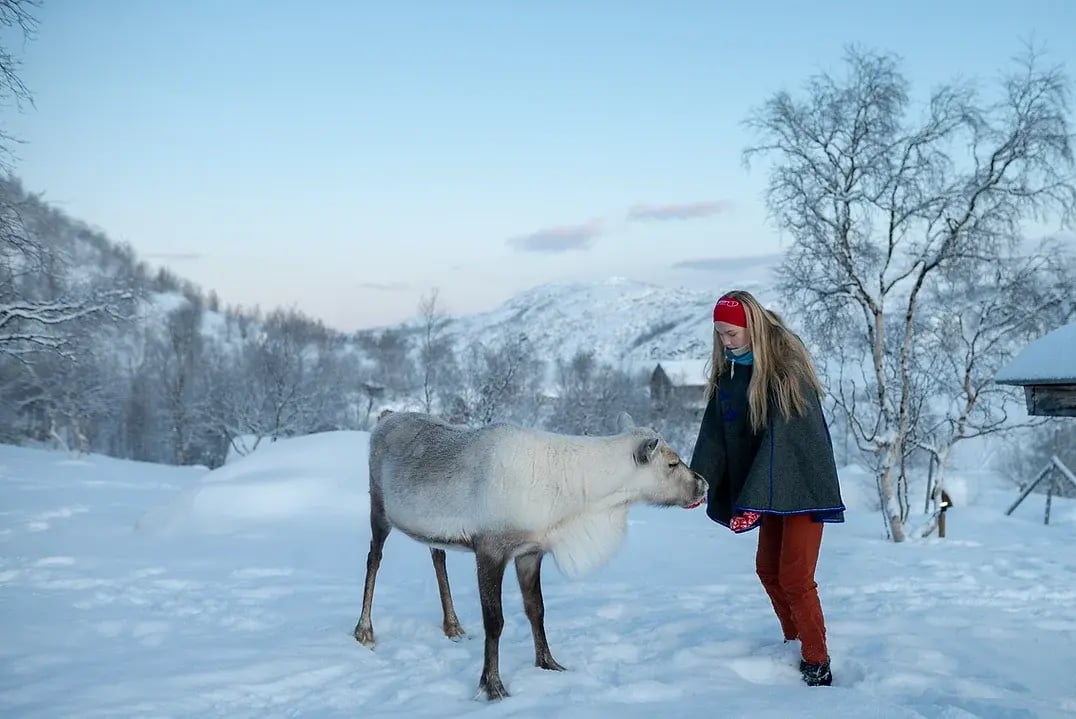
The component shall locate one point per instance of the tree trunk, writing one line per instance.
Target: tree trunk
(885, 488)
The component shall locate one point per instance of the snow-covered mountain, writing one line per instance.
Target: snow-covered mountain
(621, 321)
(626, 323)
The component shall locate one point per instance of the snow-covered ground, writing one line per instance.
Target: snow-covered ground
(136, 590)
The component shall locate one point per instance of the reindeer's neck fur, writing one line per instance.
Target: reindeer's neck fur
(589, 501)
(578, 471)
(588, 540)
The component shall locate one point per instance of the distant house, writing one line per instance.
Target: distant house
(1046, 369)
(681, 381)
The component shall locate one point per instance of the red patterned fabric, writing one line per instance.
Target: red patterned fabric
(744, 521)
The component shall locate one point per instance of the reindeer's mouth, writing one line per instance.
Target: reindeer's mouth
(702, 488)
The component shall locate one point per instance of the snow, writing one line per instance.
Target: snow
(1051, 359)
(130, 589)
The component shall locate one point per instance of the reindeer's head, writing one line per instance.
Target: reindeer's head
(665, 480)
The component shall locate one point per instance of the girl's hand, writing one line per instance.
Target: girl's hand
(744, 521)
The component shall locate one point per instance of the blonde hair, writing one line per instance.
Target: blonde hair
(782, 365)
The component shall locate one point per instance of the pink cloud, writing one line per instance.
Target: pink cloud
(383, 286)
(678, 211)
(558, 239)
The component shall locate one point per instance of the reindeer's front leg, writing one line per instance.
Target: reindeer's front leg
(491, 563)
(529, 572)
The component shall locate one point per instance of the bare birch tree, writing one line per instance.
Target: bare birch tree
(38, 302)
(18, 15)
(502, 383)
(176, 357)
(435, 357)
(879, 205)
(285, 380)
(991, 311)
(591, 394)
(390, 350)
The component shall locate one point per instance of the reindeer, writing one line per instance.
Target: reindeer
(508, 493)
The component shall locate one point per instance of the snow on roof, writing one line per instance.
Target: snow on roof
(1051, 359)
(685, 371)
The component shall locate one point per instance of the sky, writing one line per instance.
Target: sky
(347, 158)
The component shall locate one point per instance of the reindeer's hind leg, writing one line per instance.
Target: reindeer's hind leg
(451, 624)
(529, 572)
(379, 532)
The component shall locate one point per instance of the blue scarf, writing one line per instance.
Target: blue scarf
(746, 358)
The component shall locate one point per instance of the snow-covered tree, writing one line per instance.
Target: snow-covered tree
(287, 379)
(19, 16)
(437, 367)
(35, 306)
(992, 310)
(176, 361)
(390, 350)
(590, 395)
(880, 207)
(501, 383)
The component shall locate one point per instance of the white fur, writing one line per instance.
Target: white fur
(568, 495)
(584, 544)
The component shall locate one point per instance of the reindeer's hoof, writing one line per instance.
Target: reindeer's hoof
(454, 632)
(493, 689)
(550, 663)
(365, 636)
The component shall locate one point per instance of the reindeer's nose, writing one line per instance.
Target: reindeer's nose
(700, 491)
(701, 484)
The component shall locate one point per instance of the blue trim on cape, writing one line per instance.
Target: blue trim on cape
(830, 515)
(834, 515)
(771, 457)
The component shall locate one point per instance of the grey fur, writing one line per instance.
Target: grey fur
(452, 486)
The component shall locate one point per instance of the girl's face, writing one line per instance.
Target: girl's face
(732, 337)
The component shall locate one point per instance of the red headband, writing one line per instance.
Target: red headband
(731, 311)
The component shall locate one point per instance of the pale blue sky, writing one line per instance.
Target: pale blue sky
(346, 157)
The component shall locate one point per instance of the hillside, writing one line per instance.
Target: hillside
(156, 368)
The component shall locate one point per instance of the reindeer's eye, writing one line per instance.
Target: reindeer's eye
(673, 464)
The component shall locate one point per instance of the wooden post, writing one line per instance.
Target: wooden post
(930, 485)
(944, 506)
(1027, 490)
(1049, 497)
(1063, 469)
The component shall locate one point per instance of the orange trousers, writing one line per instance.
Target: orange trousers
(786, 559)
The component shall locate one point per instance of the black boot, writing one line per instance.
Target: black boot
(816, 675)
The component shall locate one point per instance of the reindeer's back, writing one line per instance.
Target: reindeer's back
(447, 483)
(429, 473)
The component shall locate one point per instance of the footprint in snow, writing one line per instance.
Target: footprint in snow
(763, 670)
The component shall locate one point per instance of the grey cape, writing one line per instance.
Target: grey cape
(787, 468)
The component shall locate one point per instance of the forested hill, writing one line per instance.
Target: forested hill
(98, 350)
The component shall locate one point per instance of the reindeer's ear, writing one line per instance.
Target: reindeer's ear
(645, 450)
(624, 422)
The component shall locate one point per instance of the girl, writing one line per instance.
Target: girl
(765, 450)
